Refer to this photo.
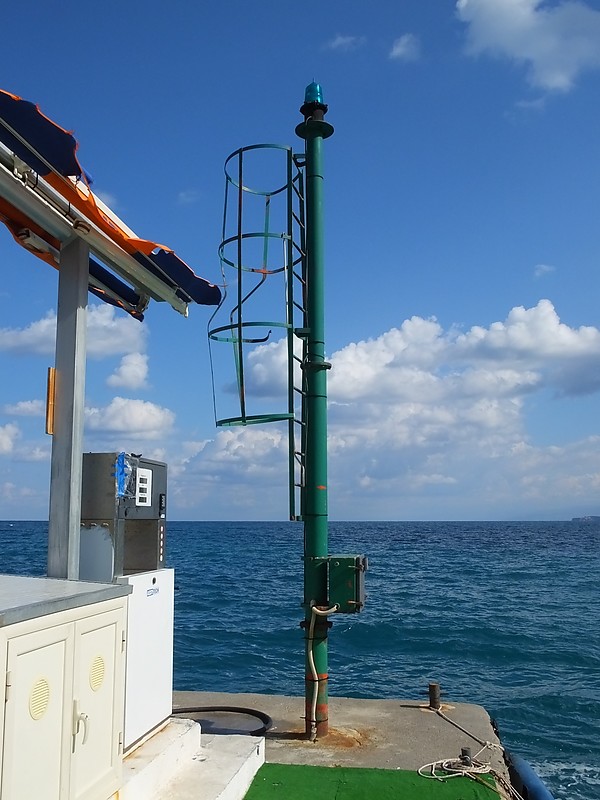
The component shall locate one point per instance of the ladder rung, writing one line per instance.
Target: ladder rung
(298, 220)
(300, 278)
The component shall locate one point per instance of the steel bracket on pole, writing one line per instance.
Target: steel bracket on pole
(316, 365)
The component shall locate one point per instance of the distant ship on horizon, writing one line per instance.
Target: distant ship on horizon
(589, 518)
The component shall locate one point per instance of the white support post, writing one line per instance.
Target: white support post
(67, 441)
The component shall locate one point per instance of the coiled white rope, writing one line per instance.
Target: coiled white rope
(467, 766)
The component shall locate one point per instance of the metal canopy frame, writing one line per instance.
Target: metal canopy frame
(41, 203)
(77, 237)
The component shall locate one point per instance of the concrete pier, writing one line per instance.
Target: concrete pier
(384, 734)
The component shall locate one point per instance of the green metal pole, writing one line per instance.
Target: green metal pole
(314, 130)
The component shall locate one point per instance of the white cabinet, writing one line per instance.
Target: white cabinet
(62, 730)
(36, 719)
(98, 681)
(149, 673)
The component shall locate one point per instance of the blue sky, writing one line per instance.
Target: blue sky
(462, 239)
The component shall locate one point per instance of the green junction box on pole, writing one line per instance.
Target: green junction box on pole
(347, 583)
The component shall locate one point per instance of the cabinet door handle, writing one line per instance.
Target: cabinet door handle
(78, 718)
(86, 727)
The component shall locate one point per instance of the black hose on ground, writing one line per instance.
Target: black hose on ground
(251, 712)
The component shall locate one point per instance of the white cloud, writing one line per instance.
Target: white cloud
(569, 471)
(8, 435)
(267, 375)
(187, 197)
(406, 48)
(138, 419)
(10, 492)
(420, 419)
(108, 333)
(187, 451)
(535, 335)
(132, 372)
(241, 472)
(32, 453)
(537, 104)
(556, 42)
(108, 199)
(247, 450)
(38, 337)
(424, 413)
(345, 43)
(543, 269)
(26, 408)
(156, 454)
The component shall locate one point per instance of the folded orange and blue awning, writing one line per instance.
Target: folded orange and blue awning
(51, 152)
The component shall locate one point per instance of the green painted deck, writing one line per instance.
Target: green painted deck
(296, 782)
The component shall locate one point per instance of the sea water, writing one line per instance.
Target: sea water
(501, 614)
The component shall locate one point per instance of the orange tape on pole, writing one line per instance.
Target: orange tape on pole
(50, 394)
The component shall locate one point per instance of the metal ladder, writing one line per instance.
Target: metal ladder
(239, 234)
(297, 425)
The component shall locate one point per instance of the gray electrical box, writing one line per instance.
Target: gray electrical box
(123, 516)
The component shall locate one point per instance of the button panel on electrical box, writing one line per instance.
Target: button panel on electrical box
(143, 487)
